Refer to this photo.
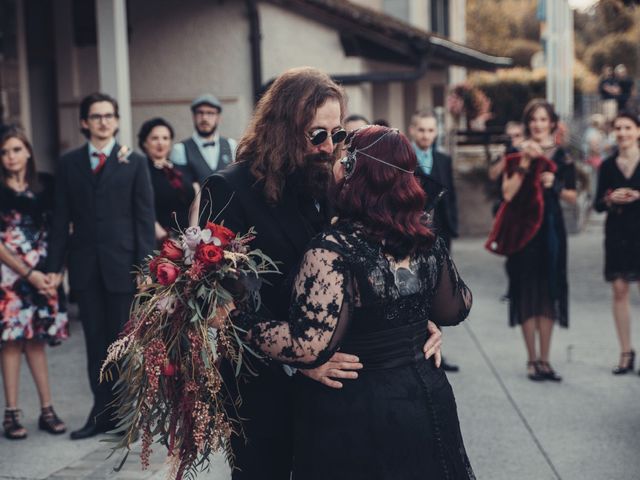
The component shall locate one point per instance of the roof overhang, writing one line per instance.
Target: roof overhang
(376, 36)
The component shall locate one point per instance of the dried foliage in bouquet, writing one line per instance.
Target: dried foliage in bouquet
(170, 389)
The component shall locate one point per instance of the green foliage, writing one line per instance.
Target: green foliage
(492, 26)
(521, 51)
(608, 33)
(612, 50)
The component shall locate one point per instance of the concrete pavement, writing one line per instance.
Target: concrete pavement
(587, 427)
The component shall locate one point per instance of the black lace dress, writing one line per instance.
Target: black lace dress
(398, 420)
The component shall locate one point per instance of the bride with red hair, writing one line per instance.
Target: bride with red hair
(367, 286)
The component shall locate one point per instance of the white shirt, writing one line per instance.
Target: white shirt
(106, 150)
(211, 154)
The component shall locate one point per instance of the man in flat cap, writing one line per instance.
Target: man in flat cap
(205, 152)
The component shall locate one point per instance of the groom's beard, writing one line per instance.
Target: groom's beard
(316, 175)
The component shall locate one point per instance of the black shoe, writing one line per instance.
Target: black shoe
(548, 372)
(536, 375)
(627, 361)
(449, 367)
(91, 429)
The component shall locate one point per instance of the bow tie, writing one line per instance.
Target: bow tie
(209, 144)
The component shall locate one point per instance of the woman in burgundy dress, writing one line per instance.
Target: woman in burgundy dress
(173, 185)
(32, 311)
(619, 195)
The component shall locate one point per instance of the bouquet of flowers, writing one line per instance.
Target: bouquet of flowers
(170, 386)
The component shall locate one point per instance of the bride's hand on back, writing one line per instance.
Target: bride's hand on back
(340, 365)
(434, 343)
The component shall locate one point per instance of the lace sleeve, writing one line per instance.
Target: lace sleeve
(453, 299)
(318, 316)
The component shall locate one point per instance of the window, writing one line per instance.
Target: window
(440, 17)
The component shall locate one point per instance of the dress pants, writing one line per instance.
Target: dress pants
(103, 314)
(266, 412)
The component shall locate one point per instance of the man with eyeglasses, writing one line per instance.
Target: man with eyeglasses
(206, 151)
(280, 184)
(103, 226)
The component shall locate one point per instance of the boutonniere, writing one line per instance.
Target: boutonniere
(123, 154)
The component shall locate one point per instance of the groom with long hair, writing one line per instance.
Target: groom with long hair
(280, 185)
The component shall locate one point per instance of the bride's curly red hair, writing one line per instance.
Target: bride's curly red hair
(387, 201)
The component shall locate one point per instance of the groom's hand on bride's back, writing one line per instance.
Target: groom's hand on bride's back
(340, 366)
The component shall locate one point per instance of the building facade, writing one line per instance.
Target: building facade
(155, 56)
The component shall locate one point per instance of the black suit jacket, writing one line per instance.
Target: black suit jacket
(112, 217)
(446, 211)
(282, 230)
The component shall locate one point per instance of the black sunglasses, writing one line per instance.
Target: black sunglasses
(320, 135)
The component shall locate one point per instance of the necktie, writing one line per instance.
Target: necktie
(102, 159)
(209, 144)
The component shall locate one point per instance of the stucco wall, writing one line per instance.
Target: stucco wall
(291, 40)
(175, 54)
(178, 53)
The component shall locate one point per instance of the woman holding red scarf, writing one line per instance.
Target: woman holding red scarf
(619, 194)
(534, 236)
(173, 185)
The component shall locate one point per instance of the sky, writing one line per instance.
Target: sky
(581, 4)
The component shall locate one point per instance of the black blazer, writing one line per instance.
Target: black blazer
(112, 218)
(446, 212)
(282, 230)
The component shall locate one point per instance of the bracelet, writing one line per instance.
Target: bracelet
(521, 170)
(28, 274)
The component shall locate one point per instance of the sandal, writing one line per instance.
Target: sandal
(627, 361)
(536, 375)
(50, 422)
(13, 429)
(549, 373)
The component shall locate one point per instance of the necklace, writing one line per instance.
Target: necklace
(16, 185)
(160, 164)
(628, 164)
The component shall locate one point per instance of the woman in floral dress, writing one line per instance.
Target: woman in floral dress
(31, 310)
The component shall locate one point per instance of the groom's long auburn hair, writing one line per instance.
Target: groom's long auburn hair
(275, 142)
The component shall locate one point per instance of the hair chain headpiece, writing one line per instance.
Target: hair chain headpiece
(352, 156)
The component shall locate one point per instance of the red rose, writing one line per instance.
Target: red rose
(153, 264)
(209, 254)
(222, 233)
(171, 250)
(169, 369)
(167, 273)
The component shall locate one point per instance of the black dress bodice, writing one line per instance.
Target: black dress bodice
(173, 193)
(398, 419)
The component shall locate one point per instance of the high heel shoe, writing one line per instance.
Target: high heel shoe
(625, 366)
(13, 429)
(536, 375)
(50, 422)
(549, 373)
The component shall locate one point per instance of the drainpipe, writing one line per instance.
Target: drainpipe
(255, 38)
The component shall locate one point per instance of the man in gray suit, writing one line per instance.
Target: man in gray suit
(206, 151)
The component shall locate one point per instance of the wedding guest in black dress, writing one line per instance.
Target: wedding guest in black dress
(619, 194)
(32, 311)
(538, 286)
(367, 285)
(173, 185)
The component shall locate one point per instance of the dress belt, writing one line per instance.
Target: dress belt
(388, 348)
